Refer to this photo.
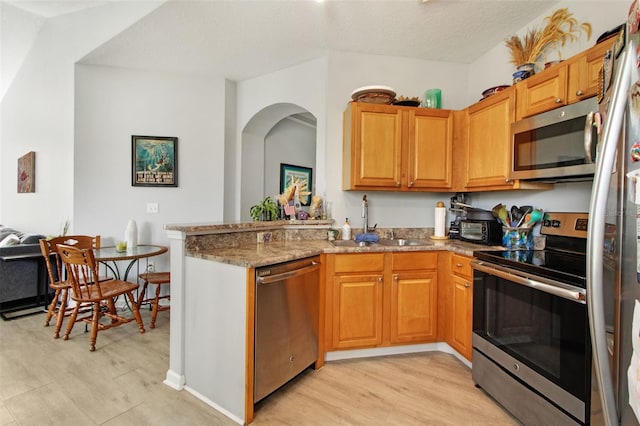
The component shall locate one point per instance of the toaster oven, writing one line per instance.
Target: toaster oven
(488, 232)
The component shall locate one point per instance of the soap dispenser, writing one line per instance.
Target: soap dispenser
(346, 230)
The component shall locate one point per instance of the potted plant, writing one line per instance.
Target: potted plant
(267, 209)
(560, 27)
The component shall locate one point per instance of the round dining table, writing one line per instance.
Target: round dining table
(110, 257)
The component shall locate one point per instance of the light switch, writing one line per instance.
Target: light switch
(152, 207)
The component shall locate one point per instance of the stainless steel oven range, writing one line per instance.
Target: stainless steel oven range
(531, 344)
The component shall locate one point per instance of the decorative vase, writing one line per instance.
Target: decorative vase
(131, 234)
(523, 72)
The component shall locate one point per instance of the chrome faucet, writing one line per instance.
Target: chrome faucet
(365, 214)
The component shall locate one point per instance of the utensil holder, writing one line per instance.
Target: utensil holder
(517, 238)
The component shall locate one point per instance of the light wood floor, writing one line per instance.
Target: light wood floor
(54, 382)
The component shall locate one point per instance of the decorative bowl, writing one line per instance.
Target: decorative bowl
(493, 90)
(404, 101)
(374, 94)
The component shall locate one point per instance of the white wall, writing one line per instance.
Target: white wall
(18, 32)
(288, 142)
(37, 114)
(112, 104)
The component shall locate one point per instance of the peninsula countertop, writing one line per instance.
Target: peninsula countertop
(260, 254)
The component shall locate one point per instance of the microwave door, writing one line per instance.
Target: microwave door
(556, 144)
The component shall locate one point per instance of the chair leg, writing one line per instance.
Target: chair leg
(72, 321)
(94, 326)
(61, 312)
(156, 301)
(136, 312)
(52, 308)
(142, 292)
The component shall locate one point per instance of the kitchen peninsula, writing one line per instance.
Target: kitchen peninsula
(213, 300)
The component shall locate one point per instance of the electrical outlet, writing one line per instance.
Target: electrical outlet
(152, 207)
(150, 267)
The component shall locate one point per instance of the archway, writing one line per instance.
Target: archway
(279, 133)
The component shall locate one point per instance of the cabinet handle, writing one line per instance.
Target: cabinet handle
(579, 93)
(458, 265)
(398, 184)
(380, 280)
(558, 100)
(396, 277)
(411, 183)
(467, 285)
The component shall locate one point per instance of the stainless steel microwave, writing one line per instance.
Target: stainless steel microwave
(556, 145)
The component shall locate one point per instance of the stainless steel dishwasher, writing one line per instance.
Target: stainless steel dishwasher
(286, 322)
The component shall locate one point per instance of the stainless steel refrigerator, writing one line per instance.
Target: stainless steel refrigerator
(613, 262)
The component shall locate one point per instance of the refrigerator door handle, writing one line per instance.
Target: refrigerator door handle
(595, 240)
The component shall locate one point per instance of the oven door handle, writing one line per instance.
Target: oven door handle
(548, 286)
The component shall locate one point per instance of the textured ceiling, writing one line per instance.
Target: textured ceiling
(242, 39)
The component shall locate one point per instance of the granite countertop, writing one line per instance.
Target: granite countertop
(256, 255)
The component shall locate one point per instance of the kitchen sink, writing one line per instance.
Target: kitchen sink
(352, 243)
(401, 242)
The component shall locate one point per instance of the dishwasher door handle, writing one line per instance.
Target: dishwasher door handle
(268, 279)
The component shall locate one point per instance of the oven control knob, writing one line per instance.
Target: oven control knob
(546, 223)
(555, 223)
(516, 367)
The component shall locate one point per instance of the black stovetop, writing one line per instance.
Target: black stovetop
(565, 267)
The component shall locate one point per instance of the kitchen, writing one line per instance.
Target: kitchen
(416, 209)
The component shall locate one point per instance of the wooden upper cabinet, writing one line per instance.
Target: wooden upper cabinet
(568, 82)
(396, 148)
(372, 147)
(542, 92)
(584, 72)
(489, 142)
(430, 145)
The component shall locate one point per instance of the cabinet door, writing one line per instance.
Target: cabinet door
(430, 141)
(543, 92)
(584, 72)
(374, 153)
(462, 301)
(414, 307)
(357, 311)
(489, 141)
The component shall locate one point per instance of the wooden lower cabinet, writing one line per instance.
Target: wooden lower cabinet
(461, 305)
(357, 311)
(380, 299)
(414, 304)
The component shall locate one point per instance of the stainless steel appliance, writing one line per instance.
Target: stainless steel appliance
(458, 205)
(557, 144)
(286, 323)
(613, 283)
(531, 345)
(481, 231)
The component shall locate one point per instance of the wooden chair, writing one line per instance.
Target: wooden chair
(159, 279)
(55, 270)
(86, 287)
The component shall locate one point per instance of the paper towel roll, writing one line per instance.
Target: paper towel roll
(441, 218)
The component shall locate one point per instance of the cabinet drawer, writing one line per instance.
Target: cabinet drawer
(414, 260)
(461, 265)
(359, 262)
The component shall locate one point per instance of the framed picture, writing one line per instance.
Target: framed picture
(154, 161)
(297, 175)
(27, 173)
